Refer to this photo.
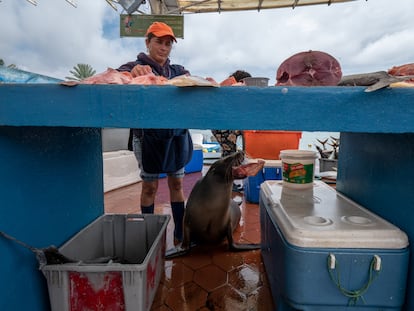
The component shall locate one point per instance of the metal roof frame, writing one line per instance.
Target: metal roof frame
(209, 6)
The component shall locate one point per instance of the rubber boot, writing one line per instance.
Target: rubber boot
(178, 216)
(147, 209)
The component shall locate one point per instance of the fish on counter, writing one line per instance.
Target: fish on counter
(403, 70)
(397, 76)
(188, 80)
(231, 81)
(316, 68)
(113, 76)
(374, 80)
(310, 68)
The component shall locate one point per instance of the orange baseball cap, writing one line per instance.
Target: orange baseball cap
(160, 29)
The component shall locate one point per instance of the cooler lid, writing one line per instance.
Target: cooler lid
(321, 217)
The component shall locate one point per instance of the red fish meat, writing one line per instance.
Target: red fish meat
(312, 68)
(113, 76)
(403, 70)
(245, 170)
(110, 76)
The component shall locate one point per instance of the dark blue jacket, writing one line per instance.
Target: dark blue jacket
(169, 71)
(163, 150)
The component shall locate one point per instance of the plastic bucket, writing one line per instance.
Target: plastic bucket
(256, 81)
(298, 168)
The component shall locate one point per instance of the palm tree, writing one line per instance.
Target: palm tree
(81, 71)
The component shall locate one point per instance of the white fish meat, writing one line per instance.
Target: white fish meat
(188, 80)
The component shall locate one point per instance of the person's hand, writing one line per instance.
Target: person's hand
(140, 70)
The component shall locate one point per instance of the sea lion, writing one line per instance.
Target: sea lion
(211, 215)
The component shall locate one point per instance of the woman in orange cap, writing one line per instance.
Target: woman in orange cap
(161, 150)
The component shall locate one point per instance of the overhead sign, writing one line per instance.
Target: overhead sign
(136, 25)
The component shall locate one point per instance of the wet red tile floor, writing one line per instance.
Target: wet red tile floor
(209, 278)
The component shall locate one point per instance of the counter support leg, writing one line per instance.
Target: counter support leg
(51, 186)
(377, 171)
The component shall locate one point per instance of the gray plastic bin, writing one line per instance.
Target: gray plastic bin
(129, 282)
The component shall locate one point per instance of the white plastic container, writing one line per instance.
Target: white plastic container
(138, 240)
(298, 168)
(120, 169)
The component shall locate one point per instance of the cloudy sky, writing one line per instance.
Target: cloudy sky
(363, 36)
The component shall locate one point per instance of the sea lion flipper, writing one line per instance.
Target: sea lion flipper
(184, 247)
(235, 216)
(236, 247)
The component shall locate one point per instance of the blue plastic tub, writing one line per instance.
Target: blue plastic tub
(196, 163)
(271, 171)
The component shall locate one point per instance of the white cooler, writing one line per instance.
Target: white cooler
(323, 251)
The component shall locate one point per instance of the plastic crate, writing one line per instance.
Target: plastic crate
(268, 144)
(251, 185)
(138, 240)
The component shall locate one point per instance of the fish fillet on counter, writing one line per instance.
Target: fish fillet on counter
(113, 76)
(403, 70)
(188, 80)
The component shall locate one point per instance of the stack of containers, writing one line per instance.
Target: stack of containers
(266, 145)
(272, 170)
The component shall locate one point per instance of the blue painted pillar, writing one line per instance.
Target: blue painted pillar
(377, 171)
(51, 187)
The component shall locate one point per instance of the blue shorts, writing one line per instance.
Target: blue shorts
(137, 146)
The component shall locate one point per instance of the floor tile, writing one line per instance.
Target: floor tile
(186, 298)
(210, 277)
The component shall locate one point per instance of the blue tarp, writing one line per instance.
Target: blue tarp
(10, 75)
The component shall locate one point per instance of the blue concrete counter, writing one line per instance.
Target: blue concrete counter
(51, 154)
(336, 109)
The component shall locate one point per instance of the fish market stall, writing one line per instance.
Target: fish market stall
(51, 154)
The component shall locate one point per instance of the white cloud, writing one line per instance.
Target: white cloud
(364, 36)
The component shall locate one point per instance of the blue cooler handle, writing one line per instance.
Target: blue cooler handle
(353, 295)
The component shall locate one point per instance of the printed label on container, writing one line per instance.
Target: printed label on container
(298, 173)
